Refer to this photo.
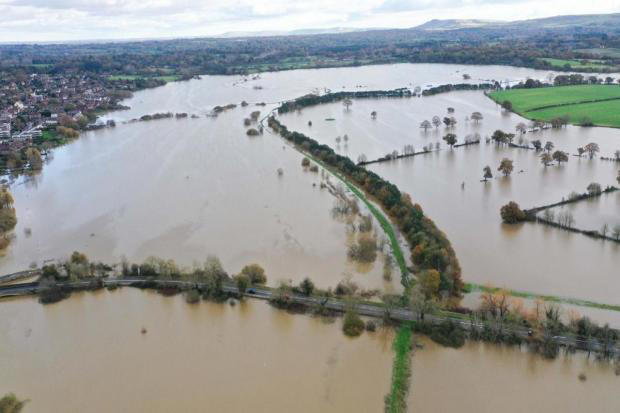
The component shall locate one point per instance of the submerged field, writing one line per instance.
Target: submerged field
(599, 103)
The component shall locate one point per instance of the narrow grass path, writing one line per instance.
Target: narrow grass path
(472, 287)
(396, 399)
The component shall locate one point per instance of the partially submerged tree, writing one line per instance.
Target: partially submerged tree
(560, 157)
(347, 103)
(511, 213)
(487, 174)
(506, 166)
(425, 125)
(546, 159)
(450, 139)
(476, 117)
(436, 121)
(592, 148)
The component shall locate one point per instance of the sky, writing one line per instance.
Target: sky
(74, 20)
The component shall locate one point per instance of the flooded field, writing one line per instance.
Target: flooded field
(447, 184)
(253, 357)
(593, 214)
(203, 357)
(489, 378)
(184, 189)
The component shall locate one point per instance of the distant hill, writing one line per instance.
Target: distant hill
(299, 32)
(586, 21)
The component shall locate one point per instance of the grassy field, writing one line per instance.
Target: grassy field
(577, 64)
(600, 103)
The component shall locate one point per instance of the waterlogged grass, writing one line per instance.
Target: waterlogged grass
(599, 103)
(385, 223)
(396, 400)
(471, 287)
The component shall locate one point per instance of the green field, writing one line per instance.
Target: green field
(600, 113)
(600, 103)
(577, 64)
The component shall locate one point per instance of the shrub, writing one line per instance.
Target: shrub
(370, 325)
(255, 273)
(448, 334)
(305, 162)
(192, 296)
(9, 403)
(353, 325)
(252, 132)
(365, 250)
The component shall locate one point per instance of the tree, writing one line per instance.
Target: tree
(615, 233)
(243, 282)
(306, 286)
(352, 324)
(34, 158)
(347, 103)
(521, 128)
(255, 273)
(604, 230)
(507, 105)
(476, 117)
(549, 146)
(618, 177)
(430, 281)
(511, 213)
(487, 173)
(546, 159)
(425, 125)
(609, 80)
(362, 158)
(506, 166)
(537, 144)
(420, 304)
(580, 151)
(9, 403)
(499, 136)
(592, 148)
(594, 189)
(450, 110)
(450, 139)
(373, 114)
(560, 157)
(436, 121)
(617, 155)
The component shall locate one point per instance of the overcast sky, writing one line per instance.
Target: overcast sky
(53, 20)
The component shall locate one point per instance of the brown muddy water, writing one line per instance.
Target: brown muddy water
(446, 183)
(488, 378)
(184, 189)
(88, 354)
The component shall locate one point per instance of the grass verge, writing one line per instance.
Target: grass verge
(396, 399)
(471, 287)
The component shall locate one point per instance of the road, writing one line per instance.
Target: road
(375, 310)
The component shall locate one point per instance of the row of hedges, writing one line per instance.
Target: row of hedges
(459, 86)
(430, 248)
(311, 100)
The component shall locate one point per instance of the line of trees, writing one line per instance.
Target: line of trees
(345, 97)
(430, 248)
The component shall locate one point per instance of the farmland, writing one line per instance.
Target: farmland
(577, 64)
(600, 103)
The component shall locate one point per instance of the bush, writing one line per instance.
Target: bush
(305, 162)
(511, 213)
(370, 325)
(9, 403)
(192, 296)
(252, 132)
(353, 325)
(365, 250)
(448, 334)
(255, 273)
(52, 294)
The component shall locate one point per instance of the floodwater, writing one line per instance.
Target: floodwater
(489, 378)
(446, 183)
(217, 357)
(88, 354)
(184, 189)
(593, 214)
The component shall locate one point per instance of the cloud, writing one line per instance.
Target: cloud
(52, 20)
